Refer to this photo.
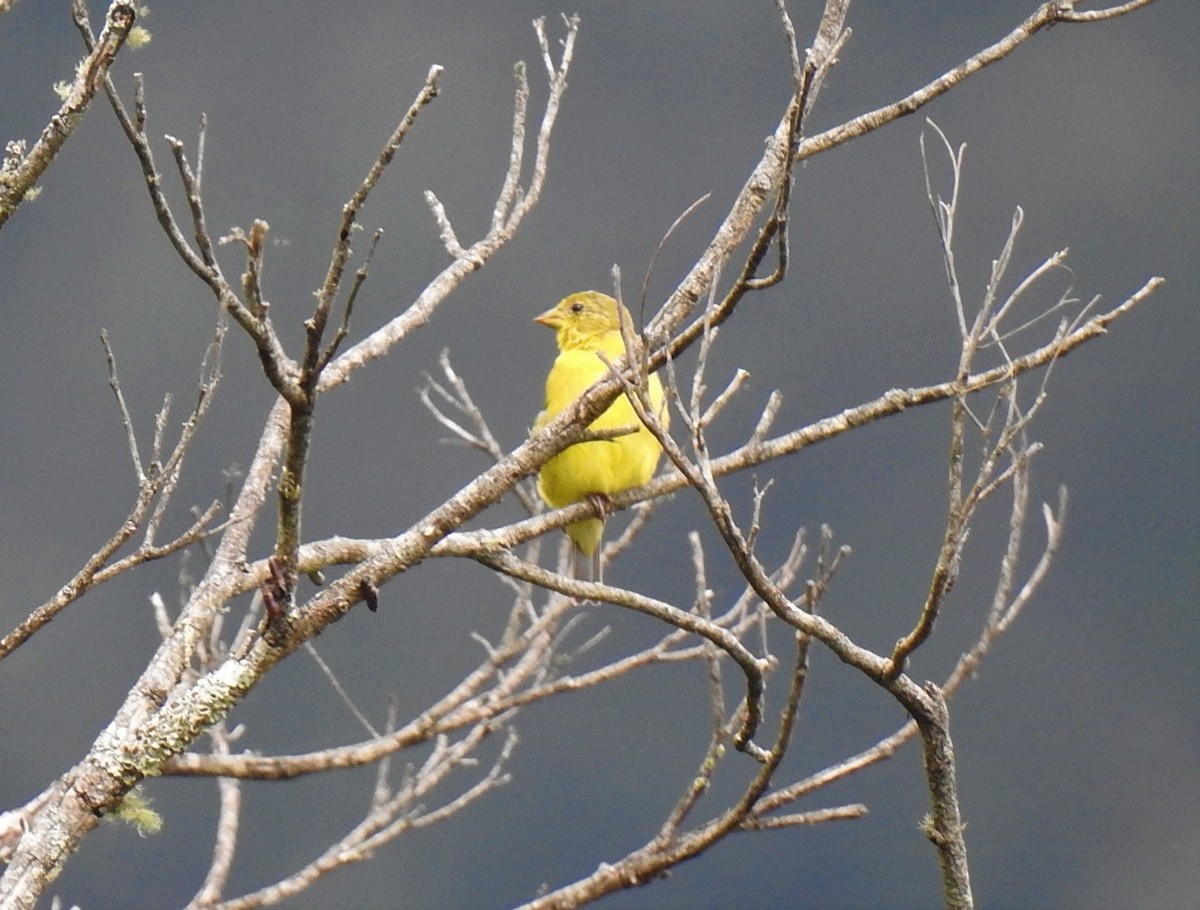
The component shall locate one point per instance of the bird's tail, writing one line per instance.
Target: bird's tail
(586, 535)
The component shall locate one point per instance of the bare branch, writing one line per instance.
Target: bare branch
(155, 489)
(126, 420)
(312, 362)
(379, 342)
(228, 823)
(641, 324)
(360, 277)
(516, 156)
(328, 673)
(458, 397)
(801, 819)
(21, 171)
(1046, 15)
(388, 820)
(944, 826)
(1071, 15)
(751, 666)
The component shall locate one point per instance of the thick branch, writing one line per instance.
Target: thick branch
(944, 826)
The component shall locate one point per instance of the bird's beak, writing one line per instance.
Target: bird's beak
(552, 318)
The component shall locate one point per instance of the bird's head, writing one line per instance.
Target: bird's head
(581, 318)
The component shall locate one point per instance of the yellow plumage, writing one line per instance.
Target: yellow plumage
(587, 325)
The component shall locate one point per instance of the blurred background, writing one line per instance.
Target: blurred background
(1079, 740)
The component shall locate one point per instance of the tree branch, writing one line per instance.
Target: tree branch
(21, 171)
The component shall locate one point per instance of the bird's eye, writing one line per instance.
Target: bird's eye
(577, 308)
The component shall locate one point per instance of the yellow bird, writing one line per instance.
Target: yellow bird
(587, 325)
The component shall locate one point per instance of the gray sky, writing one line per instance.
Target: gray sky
(1079, 741)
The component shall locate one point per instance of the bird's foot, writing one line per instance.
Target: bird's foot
(602, 503)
